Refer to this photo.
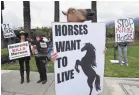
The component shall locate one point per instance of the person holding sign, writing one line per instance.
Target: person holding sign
(40, 51)
(76, 15)
(124, 34)
(22, 38)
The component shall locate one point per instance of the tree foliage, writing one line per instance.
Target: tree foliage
(44, 31)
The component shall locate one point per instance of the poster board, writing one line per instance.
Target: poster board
(18, 50)
(80, 62)
(124, 30)
(8, 31)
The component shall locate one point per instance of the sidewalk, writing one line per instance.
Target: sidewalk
(10, 83)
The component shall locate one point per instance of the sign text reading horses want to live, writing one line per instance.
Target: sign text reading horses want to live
(124, 30)
(79, 67)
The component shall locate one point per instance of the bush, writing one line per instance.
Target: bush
(4, 56)
(4, 52)
(110, 45)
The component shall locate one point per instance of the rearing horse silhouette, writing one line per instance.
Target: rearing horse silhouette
(87, 63)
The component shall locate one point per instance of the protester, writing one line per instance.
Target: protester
(40, 51)
(22, 38)
(45, 39)
(76, 15)
(122, 50)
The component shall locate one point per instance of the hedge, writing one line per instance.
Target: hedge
(4, 52)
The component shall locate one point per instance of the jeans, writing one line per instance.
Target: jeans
(122, 51)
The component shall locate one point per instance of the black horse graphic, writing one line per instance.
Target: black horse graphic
(87, 63)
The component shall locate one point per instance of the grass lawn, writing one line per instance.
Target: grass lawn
(111, 70)
(115, 70)
(32, 66)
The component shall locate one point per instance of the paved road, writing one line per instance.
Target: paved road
(10, 82)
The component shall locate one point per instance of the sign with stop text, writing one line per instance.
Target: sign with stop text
(124, 30)
(79, 67)
(18, 50)
(8, 31)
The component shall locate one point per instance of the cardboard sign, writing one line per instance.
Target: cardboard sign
(43, 44)
(79, 67)
(124, 30)
(8, 32)
(19, 50)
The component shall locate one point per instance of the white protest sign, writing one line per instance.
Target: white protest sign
(79, 67)
(8, 32)
(124, 30)
(19, 50)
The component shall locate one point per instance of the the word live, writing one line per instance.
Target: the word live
(65, 76)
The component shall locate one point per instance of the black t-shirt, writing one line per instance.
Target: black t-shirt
(42, 46)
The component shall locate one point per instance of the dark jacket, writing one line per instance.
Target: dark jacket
(41, 48)
(122, 44)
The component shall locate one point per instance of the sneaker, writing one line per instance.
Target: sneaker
(126, 64)
(121, 64)
(44, 81)
(39, 81)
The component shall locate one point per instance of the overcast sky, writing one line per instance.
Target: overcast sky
(42, 12)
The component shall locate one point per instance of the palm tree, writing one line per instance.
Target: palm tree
(27, 18)
(56, 11)
(2, 37)
(94, 7)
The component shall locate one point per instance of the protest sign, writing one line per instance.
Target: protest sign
(124, 30)
(79, 67)
(18, 50)
(8, 32)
